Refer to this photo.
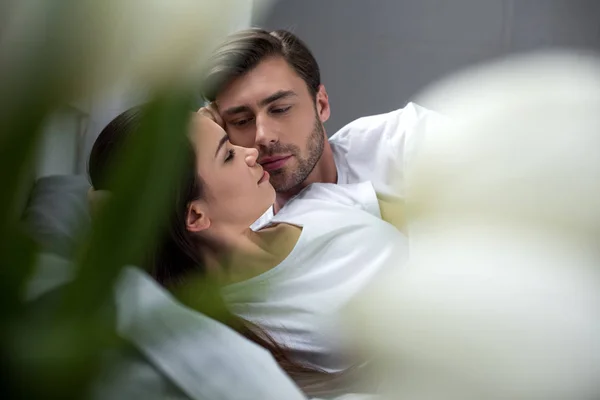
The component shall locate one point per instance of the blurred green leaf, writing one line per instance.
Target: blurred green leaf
(54, 357)
(128, 224)
(31, 90)
(58, 342)
(53, 347)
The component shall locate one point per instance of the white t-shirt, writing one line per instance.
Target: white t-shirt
(378, 149)
(343, 245)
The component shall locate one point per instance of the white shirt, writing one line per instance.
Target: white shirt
(344, 244)
(378, 149)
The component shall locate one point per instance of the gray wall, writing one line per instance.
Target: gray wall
(376, 54)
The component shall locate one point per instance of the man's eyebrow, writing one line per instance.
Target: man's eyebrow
(266, 101)
(236, 110)
(223, 140)
(277, 96)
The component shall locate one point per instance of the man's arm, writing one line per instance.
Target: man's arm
(379, 148)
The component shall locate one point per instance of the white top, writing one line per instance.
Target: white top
(181, 354)
(188, 352)
(343, 245)
(377, 148)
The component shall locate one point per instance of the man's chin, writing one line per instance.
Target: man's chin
(286, 187)
(279, 179)
(283, 180)
(281, 186)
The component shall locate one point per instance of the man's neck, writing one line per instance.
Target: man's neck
(324, 172)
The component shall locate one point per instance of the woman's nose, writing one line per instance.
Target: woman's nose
(251, 156)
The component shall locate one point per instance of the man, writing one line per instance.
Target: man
(267, 88)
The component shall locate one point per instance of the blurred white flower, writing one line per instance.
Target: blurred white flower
(501, 296)
(523, 143)
(140, 42)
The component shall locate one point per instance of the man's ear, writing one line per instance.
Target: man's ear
(322, 102)
(196, 219)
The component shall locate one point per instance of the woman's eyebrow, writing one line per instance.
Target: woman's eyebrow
(223, 140)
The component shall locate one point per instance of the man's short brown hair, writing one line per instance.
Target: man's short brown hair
(244, 50)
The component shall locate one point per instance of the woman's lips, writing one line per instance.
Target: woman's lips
(264, 177)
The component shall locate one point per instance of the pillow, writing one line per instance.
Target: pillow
(57, 213)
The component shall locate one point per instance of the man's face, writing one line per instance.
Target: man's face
(270, 108)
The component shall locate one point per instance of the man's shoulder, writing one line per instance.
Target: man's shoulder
(378, 147)
(378, 124)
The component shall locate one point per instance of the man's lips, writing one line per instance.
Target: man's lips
(273, 163)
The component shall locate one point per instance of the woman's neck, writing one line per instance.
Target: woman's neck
(251, 253)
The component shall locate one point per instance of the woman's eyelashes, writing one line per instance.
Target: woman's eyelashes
(230, 155)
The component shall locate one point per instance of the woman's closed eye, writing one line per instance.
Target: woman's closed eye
(230, 155)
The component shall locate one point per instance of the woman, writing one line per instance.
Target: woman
(287, 280)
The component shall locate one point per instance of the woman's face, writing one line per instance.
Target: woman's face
(236, 189)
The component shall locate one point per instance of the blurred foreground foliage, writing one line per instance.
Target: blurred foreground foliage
(52, 347)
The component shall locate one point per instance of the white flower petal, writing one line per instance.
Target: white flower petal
(139, 42)
(501, 296)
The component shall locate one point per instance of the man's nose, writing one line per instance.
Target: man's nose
(265, 132)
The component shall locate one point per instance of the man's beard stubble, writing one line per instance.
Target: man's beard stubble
(284, 179)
